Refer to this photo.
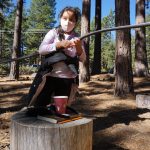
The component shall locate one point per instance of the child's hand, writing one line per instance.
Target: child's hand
(78, 44)
(64, 44)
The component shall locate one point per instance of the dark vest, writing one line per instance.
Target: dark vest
(49, 59)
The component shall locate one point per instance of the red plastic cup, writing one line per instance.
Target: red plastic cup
(60, 104)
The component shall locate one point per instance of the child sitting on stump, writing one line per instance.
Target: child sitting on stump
(62, 50)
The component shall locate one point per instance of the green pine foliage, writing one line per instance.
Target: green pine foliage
(9, 28)
(108, 43)
(5, 9)
(5, 6)
(41, 16)
(108, 55)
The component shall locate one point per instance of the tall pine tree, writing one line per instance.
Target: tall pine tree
(5, 7)
(141, 65)
(14, 69)
(85, 28)
(96, 69)
(123, 69)
(41, 16)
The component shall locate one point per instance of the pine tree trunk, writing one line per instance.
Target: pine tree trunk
(85, 28)
(141, 65)
(1, 33)
(1, 41)
(14, 70)
(124, 77)
(96, 68)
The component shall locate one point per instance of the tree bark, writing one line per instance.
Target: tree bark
(85, 28)
(14, 70)
(141, 65)
(1, 33)
(124, 77)
(96, 68)
(1, 42)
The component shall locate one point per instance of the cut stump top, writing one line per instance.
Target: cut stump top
(24, 120)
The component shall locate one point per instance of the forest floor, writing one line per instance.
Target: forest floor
(117, 123)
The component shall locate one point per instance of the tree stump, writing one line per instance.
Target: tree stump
(143, 101)
(29, 133)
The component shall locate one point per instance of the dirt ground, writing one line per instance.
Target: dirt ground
(117, 123)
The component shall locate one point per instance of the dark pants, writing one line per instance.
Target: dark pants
(54, 86)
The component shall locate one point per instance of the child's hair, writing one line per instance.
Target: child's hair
(77, 15)
(75, 10)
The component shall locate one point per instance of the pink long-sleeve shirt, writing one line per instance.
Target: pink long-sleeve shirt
(48, 46)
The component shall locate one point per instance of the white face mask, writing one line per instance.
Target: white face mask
(66, 25)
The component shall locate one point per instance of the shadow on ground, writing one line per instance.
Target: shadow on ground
(18, 105)
(123, 116)
(105, 120)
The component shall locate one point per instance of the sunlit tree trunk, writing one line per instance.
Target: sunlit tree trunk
(124, 77)
(14, 70)
(96, 68)
(1, 27)
(141, 65)
(85, 28)
(1, 41)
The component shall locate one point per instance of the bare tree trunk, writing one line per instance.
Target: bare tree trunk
(14, 70)
(96, 68)
(124, 77)
(85, 28)
(1, 41)
(1, 33)
(141, 65)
